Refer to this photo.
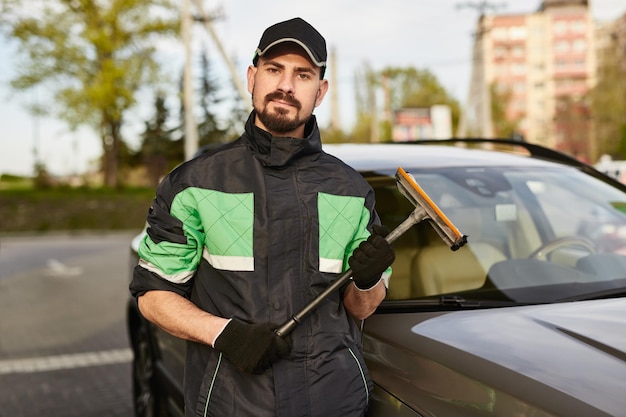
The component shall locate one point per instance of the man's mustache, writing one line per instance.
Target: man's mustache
(279, 95)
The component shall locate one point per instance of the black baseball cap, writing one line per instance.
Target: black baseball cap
(298, 31)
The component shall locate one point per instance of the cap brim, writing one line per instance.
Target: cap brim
(315, 60)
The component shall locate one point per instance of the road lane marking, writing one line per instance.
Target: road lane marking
(69, 361)
(58, 268)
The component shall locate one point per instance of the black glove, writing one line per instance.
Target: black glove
(251, 347)
(371, 259)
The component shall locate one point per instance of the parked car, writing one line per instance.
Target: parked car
(527, 319)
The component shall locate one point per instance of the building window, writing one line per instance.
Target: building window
(517, 32)
(579, 45)
(559, 27)
(501, 71)
(561, 47)
(499, 33)
(500, 51)
(517, 51)
(578, 26)
(518, 69)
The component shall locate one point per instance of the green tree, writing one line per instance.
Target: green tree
(608, 102)
(571, 121)
(411, 87)
(209, 131)
(159, 153)
(367, 126)
(238, 115)
(92, 56)
(212, 130)
(503, 125)
(42, 179)
(399, 88)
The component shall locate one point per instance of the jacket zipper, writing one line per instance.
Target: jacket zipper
(367, 391)
(208, 398)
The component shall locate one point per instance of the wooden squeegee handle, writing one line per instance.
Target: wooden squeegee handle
(415, 217)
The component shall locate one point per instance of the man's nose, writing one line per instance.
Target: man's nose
(286, 82)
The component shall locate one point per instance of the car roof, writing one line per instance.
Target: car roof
(389, 156)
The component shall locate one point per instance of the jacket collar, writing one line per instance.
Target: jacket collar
(279, 151)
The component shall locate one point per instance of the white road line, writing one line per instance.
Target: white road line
(69, 361)
(59, 269)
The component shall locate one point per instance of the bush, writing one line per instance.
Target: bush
(68, 209)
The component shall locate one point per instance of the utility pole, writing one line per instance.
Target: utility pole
(477, 113)
(187, 18)
(481, 6)
(371, 98)
(241, 89)
(36, 132)
(191, 128)
(335, 125)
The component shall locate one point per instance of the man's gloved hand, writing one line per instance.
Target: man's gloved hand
(251, 347)
(371, 259)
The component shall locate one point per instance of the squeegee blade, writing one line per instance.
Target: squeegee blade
(408, 186)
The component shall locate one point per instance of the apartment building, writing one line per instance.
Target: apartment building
(538, 68)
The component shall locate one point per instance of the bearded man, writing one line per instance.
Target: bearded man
(241, 238)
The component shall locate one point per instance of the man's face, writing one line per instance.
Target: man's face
(285, 87)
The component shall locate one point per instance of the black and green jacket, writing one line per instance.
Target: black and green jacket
(255, 230)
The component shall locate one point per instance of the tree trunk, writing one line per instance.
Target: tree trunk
(111, 139)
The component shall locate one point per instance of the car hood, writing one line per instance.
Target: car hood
(575, 351)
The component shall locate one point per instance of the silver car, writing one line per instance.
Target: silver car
(527, 319)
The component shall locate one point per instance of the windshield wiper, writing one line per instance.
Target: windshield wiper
(457, 300)
(447, 301)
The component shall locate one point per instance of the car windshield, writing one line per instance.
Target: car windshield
(535, 235)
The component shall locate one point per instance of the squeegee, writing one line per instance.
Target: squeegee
(425, 209)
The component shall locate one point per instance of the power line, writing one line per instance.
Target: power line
(481, 6)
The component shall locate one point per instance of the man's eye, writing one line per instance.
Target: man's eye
(304, 76)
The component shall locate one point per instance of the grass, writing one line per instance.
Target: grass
(72, 209)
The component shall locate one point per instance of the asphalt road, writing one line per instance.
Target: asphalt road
(63, 344)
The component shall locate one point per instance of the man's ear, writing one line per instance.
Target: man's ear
(250, 75)
(321, 92)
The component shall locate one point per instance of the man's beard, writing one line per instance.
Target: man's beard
(278, 121)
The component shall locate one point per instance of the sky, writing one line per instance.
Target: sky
(425, 34)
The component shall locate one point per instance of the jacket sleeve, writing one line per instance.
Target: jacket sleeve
(369, 218)
(171, 249)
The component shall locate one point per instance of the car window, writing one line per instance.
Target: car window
(528, 229)
(583, 210)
